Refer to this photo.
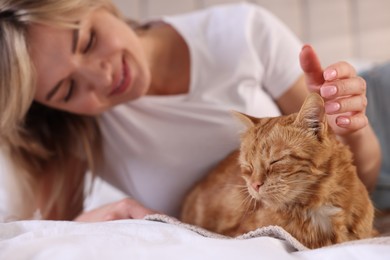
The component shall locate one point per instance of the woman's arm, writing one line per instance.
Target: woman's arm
(367, 154)
(126, 208)
(345, 109)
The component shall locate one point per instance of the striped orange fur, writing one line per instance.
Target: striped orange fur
(290, 171)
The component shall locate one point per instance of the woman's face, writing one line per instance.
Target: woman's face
(91, 69)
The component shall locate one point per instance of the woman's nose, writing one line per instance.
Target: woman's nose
(97, 75)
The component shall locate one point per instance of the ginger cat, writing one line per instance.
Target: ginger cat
(291, 171)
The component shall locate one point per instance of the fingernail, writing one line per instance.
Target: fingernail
(305, 47)
(327, 91)
(343, 121)
(332, 107)
(330, 74)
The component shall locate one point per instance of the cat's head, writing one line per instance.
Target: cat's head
(280, 156)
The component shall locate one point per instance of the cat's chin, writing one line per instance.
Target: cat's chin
(254, 194)
(260, 200)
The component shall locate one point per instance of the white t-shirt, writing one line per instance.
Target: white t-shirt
(157, 147)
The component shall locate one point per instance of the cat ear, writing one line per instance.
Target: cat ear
(312, 115)
(248, 121)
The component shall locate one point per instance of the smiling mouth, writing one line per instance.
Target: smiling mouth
(124, 81)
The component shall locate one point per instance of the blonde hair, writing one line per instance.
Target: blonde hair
(42, 141)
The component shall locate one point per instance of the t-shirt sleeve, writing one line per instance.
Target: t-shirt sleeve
(278, 51)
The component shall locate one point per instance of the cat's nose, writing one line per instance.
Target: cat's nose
(256, 185)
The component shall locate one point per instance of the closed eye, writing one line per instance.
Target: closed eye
(246, 170)
(91, 41)
(276, 160)
(70, 91)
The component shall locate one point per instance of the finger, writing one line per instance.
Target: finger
(353, 122)
(311, 66)
(340, 70)
(115, 216)
(344, 87)
(134, 209)
(350, 104)
(118, 210)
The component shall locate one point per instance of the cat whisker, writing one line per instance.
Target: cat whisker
(289, 182)
(241, 192)
(254, 205)
(304, 191)
(247, 205)
(278, 199)
(243, 189)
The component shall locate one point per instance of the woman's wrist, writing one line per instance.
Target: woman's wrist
(367, 154)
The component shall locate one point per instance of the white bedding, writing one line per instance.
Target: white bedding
(146, 239)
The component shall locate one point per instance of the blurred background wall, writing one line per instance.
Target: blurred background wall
(353, 30)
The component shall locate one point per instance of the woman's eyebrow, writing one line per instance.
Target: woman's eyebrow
(75, 40)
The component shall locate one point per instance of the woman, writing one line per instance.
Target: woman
(160, 95)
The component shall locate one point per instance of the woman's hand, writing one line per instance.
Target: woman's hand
(345, 99)
(343, 91)
(123, 209)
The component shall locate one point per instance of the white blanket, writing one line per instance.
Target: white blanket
(161, 237)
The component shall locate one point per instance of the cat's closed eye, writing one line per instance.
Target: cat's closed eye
(276, 161)
(246, 170)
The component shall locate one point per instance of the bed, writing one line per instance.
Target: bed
(162, 237)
